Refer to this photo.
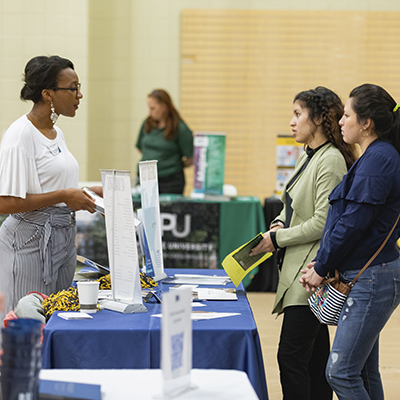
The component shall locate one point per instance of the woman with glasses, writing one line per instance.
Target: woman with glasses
(165, 137)
(39, 186)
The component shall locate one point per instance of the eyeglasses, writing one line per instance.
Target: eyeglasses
(72, 89)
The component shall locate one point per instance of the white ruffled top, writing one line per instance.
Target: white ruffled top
(32, 163)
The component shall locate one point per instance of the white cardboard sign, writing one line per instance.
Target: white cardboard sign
(176, 341)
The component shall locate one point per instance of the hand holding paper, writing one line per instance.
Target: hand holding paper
(264, 246)
(240, 262)
(97, 199)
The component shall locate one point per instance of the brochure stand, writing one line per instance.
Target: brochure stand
(150, 214)
(121, 244)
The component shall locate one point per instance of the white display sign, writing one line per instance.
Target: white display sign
(121, 243)
(176, 341)
(151, 215)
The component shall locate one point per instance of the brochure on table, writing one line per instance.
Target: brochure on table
(208, 293)
(204, 315)
(151, 215)
(195, 279)
(176, 342)
(239, 263)
(121, 243)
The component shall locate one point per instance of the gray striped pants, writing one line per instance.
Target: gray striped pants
(37, 253)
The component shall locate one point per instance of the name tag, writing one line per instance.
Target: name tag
(54, 149)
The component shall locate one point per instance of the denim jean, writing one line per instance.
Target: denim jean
(353, 365)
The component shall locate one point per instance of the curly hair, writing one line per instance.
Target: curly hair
(325, 105)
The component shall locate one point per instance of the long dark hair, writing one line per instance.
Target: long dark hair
(41, 73)
(375, 103)
(324, 104)
(173, 117)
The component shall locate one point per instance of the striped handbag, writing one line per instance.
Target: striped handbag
(327, 301)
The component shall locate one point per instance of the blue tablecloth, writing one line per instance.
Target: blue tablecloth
(113, 340)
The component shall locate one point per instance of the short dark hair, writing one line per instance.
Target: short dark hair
(374, 102)
(42, 72)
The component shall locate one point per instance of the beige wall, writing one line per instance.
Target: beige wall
(241, 69)
(43, 27)
(122, 49)
(110, 107)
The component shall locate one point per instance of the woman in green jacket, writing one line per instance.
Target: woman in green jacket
(304, 343)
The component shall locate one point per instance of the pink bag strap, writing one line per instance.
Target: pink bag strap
(351, 284)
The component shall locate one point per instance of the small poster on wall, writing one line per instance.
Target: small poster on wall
(282, 177)
(287, 153)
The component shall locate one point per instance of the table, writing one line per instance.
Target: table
(195, 233)
(131, 384)
(114, 340)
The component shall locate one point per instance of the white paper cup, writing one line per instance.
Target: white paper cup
(88, 292)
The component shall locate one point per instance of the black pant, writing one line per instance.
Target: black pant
(303, 352)
(172, 183)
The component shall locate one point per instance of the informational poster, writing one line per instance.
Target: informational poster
(176, 341)
(287, 153)
(151, 215)
(209, 163)
(121, 242)
(282, 177)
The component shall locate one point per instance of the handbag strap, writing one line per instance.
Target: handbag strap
(351, 284)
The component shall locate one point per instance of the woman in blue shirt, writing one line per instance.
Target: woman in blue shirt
(304, 343)
(364, 207)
